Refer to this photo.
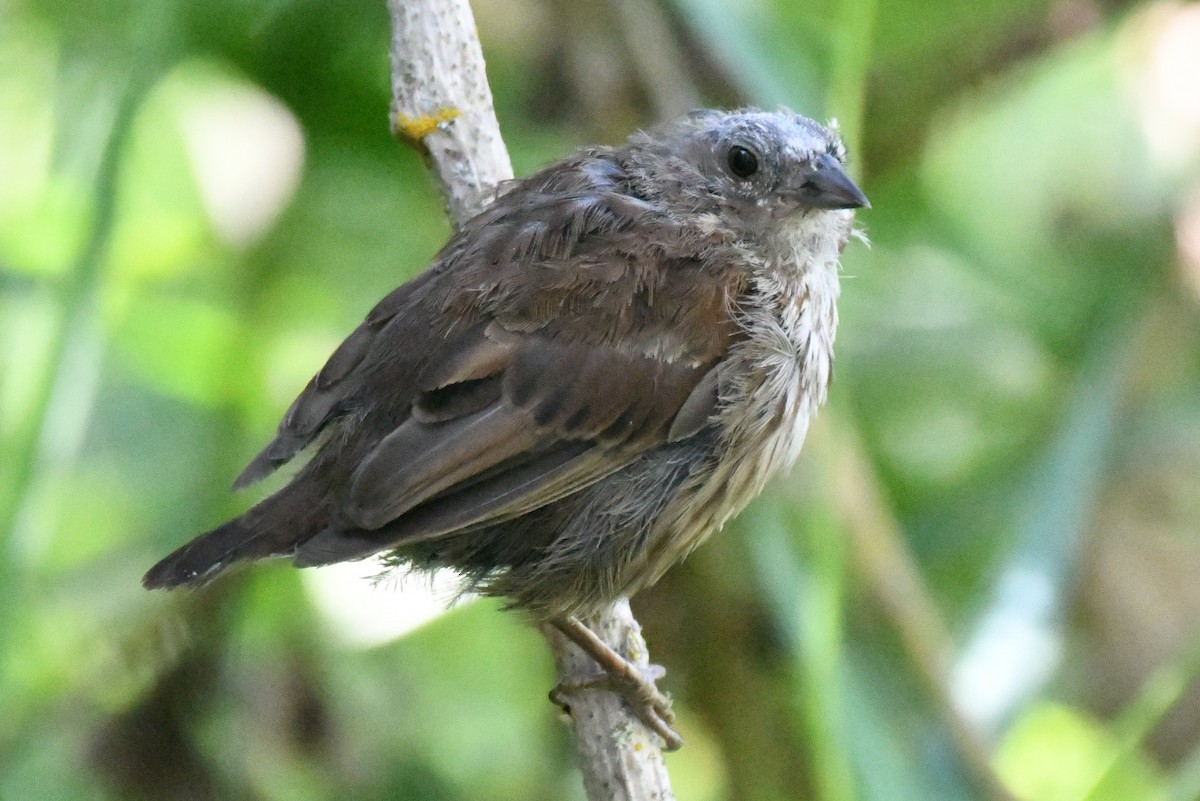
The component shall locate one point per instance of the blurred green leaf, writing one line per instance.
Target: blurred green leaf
(1054, 753)
(1021, 215)
(179, 346)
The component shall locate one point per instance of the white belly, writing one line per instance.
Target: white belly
(771, 385)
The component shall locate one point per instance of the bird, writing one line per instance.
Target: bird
(593, 375)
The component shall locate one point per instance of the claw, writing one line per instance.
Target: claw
(651, 705)
(634, 683)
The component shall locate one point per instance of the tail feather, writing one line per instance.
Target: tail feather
(272, 528)
(203, 558)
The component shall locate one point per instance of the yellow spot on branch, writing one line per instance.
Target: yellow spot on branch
(415, 129)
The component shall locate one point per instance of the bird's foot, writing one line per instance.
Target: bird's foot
(634, 683)
(651, 705)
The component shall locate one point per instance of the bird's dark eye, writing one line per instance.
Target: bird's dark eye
(742, 162)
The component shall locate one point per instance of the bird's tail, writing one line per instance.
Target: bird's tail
(272, 528)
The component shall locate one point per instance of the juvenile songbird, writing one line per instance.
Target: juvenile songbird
(595, 373)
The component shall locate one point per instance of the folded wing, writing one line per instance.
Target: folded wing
(480, 447)
(563, 332)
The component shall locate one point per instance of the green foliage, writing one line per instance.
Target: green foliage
(981, 575)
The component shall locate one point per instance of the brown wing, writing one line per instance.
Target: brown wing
(553, 418)
(563, 332)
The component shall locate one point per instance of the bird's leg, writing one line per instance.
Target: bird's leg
(631, 682)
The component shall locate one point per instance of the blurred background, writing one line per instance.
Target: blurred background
(982, 581)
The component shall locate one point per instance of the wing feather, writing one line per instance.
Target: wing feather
(419, 460)
(550, 393)
(508, 493)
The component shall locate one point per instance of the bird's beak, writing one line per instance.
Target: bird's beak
(826, 186)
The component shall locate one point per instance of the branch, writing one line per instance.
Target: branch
(441, 102)
(442, 105)
(620, 759)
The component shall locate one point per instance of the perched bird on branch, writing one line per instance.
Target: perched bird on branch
(595, 373)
